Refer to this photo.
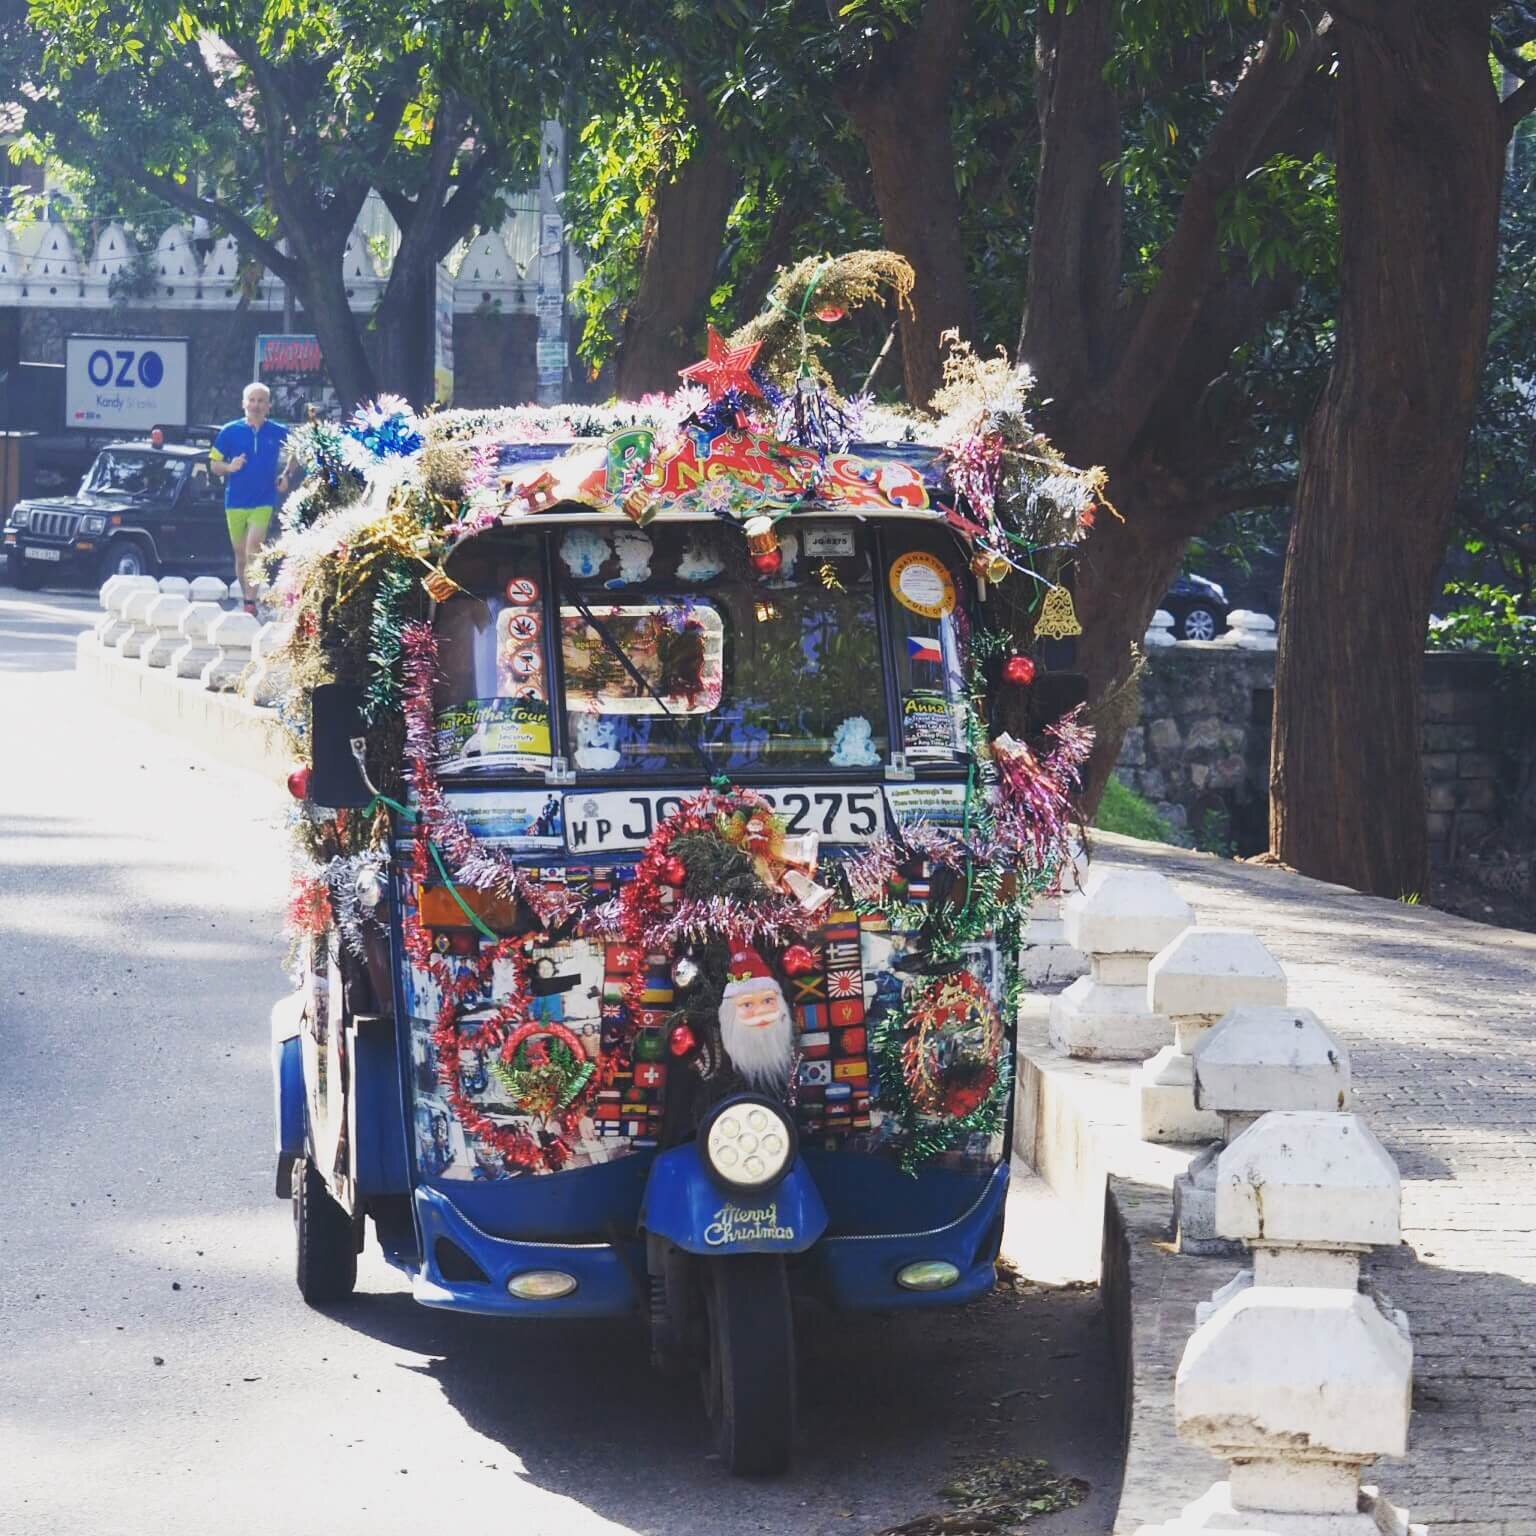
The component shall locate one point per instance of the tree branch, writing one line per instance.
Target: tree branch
(1517, 106)
(1241, 498)
(1193, 253)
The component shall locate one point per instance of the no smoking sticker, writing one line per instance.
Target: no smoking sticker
(521, 591)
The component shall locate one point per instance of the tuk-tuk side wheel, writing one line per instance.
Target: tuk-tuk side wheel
(749, 1386)
(325, 1241)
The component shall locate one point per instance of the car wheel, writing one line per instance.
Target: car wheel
(1198, 624)
(19, 574)
(126, 557)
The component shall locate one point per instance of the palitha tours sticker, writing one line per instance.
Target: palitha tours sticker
(921, 583)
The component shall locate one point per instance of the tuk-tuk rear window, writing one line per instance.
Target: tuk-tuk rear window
(761, 673)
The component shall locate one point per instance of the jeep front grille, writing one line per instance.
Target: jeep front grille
(54, 525)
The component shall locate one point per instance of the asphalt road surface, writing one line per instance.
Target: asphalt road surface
(161, 1373)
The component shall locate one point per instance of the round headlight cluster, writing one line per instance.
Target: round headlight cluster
(749, 1143)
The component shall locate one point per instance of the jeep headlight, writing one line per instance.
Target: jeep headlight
(747, 1142)
(20, 516)
(93, 522)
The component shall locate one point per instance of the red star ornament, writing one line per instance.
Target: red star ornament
(725, 368)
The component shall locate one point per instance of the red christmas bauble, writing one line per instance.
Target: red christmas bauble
(298, 783)
(830, 314)
(681, 1040)
(799, 960)
(768, 564)
(673, 870)
(1020, 671)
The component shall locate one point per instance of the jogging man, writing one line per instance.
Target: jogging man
(250, 455)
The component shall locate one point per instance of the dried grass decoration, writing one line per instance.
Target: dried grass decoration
(788, 347)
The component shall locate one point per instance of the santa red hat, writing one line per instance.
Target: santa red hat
(746, 972)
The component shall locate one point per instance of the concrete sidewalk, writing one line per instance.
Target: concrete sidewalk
(1440, 1018)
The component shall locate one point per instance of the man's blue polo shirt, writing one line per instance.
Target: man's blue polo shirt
(254, 484)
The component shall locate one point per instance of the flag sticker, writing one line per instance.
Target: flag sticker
(921, 648)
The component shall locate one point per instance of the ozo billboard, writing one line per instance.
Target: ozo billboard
(125, 383)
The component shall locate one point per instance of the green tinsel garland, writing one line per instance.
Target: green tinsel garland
(383, 692)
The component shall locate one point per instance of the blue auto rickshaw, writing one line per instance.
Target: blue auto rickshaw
(678, 980)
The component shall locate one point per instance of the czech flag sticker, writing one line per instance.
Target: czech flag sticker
(920, 648)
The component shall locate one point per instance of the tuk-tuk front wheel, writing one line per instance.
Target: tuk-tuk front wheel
(325, 1244)
(749, 1379)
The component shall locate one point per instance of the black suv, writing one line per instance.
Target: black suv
(141, 510)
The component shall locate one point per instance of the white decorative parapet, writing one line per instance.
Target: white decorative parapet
(1294, 1375)
(208, 589)
(114, 595)
(1249, 631)
(231, 635)
(267, 680)
(1160, 630)
(195, 651)
(1202, 975)
(1045, 957)
(137, 631)
(1119, 919)
(1257, 1059)
(164, 617)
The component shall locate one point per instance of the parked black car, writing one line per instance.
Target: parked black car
(1199, 608)
(141, 510)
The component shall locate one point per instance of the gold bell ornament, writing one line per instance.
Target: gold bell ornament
(1058, 618)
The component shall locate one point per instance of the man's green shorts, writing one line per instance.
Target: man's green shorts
(244, 520)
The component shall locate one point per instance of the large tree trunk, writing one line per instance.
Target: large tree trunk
(900, 108)
(1419, 149)
(661, 331)
(406, 326)
(323, 291)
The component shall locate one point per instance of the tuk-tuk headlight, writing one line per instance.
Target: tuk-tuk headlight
(747, 1142)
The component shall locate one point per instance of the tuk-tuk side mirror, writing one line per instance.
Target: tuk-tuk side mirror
(335, 718)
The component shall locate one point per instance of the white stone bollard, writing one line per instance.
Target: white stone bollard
(231, 635)
(174, 586)
(138, 631)
(1197, 979)
(1254, 1061)
(164, 615)
(1045, 957)
(1294, 1375)
(195, 652)
(1119, 919)
(208, 589)
(1249, 631)
(115, 594)
(1160, 631)
(267, 679)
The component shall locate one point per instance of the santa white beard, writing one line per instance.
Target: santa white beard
(759, 1052)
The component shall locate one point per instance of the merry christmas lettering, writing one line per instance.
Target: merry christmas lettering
(746, 1224)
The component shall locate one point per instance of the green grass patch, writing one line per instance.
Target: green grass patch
(1122, 810)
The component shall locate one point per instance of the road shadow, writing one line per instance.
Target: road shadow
(886, 1402)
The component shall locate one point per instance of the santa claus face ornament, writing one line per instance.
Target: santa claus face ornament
(755, 1026)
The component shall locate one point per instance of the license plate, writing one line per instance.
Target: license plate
(40, 554)
(618, 820)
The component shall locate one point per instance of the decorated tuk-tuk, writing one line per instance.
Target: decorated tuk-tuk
(675, 781)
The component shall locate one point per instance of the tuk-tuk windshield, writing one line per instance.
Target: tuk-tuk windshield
(754, 673)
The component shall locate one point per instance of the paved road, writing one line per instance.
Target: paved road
(161, 1373)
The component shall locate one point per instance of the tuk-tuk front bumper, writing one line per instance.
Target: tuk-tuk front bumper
(463, 1268)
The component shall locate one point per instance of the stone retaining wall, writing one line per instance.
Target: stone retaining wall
(1200, 752)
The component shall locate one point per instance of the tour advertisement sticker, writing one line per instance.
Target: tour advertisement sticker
(522, 591)
(486, 731)
(921, 583)
(927, 724)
